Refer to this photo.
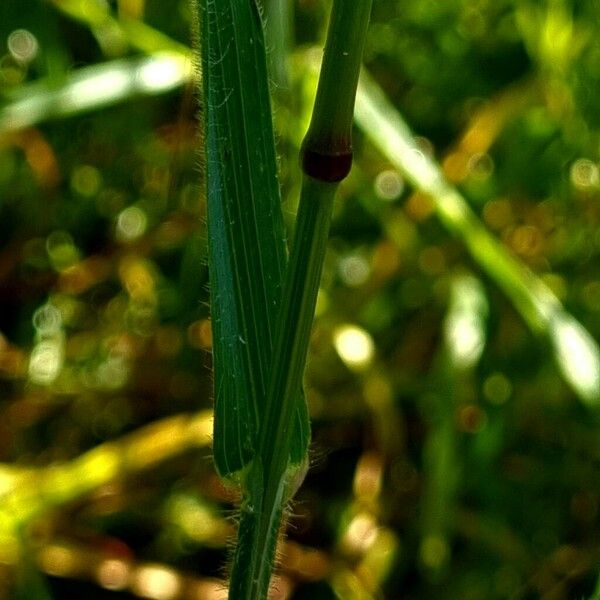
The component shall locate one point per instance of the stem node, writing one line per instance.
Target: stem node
(329, 168)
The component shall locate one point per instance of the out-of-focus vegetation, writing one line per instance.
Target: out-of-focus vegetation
(456, 448)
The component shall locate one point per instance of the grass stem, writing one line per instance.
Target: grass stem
(326, 160)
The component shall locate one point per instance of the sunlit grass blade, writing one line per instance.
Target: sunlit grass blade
(98, 16)
(36, 491)
(247, 251)
(93, 88)
(575, 351)
(465, 324)
(464, 342)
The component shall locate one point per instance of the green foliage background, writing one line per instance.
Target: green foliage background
(432, 475)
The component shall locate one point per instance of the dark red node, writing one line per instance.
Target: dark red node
(326, 167)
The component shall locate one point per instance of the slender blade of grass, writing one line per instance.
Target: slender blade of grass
(247, 250)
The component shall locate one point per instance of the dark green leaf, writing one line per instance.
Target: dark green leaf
(247, 252)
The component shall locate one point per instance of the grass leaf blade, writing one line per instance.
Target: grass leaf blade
(247, 252)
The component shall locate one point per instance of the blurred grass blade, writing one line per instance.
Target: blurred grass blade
(577, 355)
(30, 583)
(92, 88)
(465, 324)
(596, 594)
(575, 351)
(247, 250)
(99, 17)
(464, 341)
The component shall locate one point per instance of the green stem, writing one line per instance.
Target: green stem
(261, 514)
(301, 285)
(327, 147)
(330, 130)
(326, 160)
